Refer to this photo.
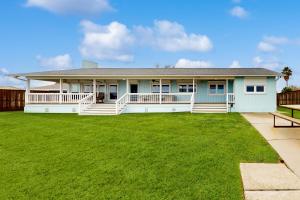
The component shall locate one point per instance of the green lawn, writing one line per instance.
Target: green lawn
(130, 156)
(288, 112)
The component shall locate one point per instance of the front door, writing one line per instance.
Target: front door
(113, 92)
(133, 88)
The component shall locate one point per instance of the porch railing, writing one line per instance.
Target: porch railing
(157, 98)
(86, 102)
(121, 103)
(51, 98)
(230, 99)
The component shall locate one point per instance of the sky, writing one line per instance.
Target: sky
(39, 35)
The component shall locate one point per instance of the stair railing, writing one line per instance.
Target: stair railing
(121, 103)
(192, 101)
(86, 102)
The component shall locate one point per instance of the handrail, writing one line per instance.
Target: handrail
(121, 103)
(85, 102)
(230, 99)
(192, 101)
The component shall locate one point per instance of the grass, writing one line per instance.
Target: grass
(288, 112)
(133, 156)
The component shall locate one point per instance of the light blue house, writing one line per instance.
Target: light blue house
(139, 90)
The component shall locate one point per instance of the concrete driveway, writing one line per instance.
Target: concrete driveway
(286, 141)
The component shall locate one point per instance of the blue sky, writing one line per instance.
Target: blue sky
(39, 35)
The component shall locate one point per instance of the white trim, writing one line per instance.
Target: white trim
(255, 83)
(255, 92)
(151, 89)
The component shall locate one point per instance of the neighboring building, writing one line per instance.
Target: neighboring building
(139, 90)
(9, 88)
(54, 88)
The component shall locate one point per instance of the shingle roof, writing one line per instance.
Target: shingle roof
(156, 72)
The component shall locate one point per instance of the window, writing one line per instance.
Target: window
(186, 88)
(260, 88)
(252, 89)
(87, 88)
(113, 92)
(216, 88)
(75, 87)
(165, 88)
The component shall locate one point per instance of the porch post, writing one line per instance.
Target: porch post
(27, 90)
(226, 92)
(127, 86)
(160, 91)
(193, 89)
(60, 90)
(94, 90)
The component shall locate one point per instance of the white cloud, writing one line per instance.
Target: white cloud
(271, 43)
(6, 80)
(266, 47)
(108, 42)
(172, 37)
(186, 63)
(270, 63)
(71, 6)
(235, 64)
(239, 12)
(57, 62)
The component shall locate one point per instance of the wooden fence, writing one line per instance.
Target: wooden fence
(288, 98)
(12, 100)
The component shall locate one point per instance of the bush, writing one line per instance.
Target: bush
(289, 89)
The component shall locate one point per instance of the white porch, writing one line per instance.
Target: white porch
(161, 94)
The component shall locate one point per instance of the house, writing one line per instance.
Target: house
(52, 88)
(140, 90)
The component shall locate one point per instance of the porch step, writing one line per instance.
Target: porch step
(209, 108)
(100, 109)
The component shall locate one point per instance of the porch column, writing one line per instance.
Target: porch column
(193, 89)
(60, 90)
(160, 91)
(94, 90)
(226, 92)
(127, 86)
(27, 90)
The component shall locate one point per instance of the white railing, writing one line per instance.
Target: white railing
(230, 99)
(43, 98)
(192, 101)
(121, 103)
(156, 98)
(73, 97)
(51, 98)
(86, 102)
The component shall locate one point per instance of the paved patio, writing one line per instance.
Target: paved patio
(286, 141)
(274, 181)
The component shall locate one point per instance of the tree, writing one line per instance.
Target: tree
(287, 73)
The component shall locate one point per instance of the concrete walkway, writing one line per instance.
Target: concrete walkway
(286, 141)
(269, 182)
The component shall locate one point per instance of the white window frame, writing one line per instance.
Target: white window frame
(187, 87)
(164, 84)
(217, 83)
(255, 82)
(255, 88)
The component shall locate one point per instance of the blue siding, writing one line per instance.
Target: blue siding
(144, 86)
(121, 88)
(202, 94)
(255, 102)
